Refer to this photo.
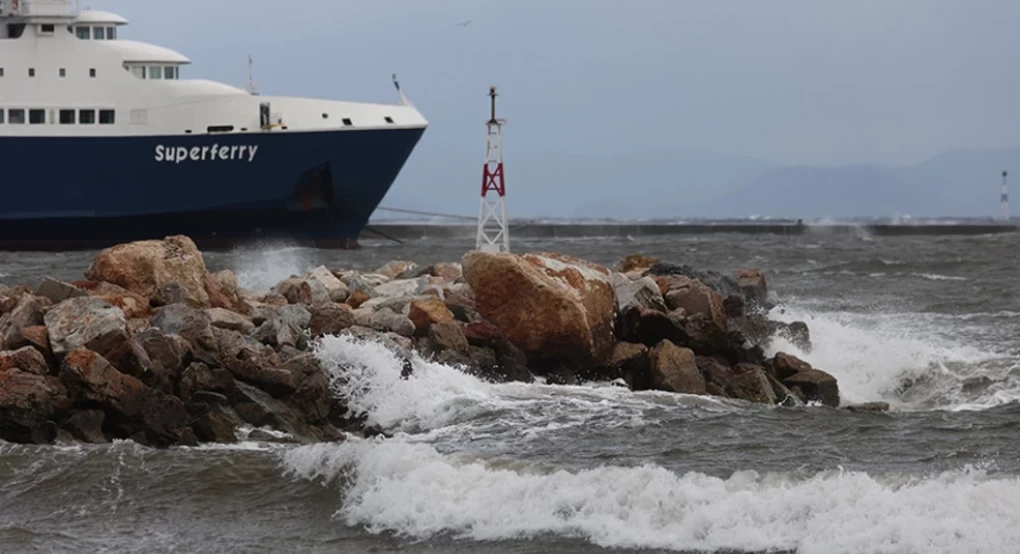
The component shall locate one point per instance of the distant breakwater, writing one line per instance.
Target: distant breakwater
(405, 231)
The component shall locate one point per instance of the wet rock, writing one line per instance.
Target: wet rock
(86, 426)
(168, 355)
(198, 377)
(674, 369)
(706, 338)
(624, 352)
(129, 357)
(133, 305)
(816, 385)
(176, 293)
(311, 399)
(650, 327)
(734, 306)
(27, 312)
(39, 338)
(694, 297)
(330, 319)
(553, 307)
(426, 313)
(754, 288)
(337, 290)
(262, 410)
(722, 285)
(716, 373)
(642, 293)
(448, 335)
(786, 366)
(387, 321)
(146, 266)
(28, 404)
(58, 291)
(285, 328)
(216, 425)
(870, 407)
(797, 333)
(395, 269)
(85, 322)
(133, 407)
(26, 359)
(226, 319)
(192, 324)
(751, 384)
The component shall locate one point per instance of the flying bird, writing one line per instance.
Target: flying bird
(465, 23)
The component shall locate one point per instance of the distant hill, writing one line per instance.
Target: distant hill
(963, 183)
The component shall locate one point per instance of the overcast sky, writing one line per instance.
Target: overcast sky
(786, 81)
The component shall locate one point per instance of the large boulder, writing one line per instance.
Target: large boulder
(28, 405)
(554, 307)
(133, 410)
(674, 369)
(58, 291)
(388, 321)
(754, 288)
(26, 358)
(815, 386)
(27, 312)
(133, 305)
(694, 297)
(226, 319)
(635, 264)
(336, 288)
(85, 322)
(425, 313)
(330, 319)
(650, 327)
(168, 354)
(146, 266)
(723, 285)
(752, 384)
(191, 323)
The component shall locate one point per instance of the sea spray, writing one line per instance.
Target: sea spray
(414, 491)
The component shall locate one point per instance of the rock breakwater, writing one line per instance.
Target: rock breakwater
(154, 348)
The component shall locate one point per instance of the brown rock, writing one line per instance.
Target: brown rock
(217, 297)
(134, 408)
(129, 357)
(551, 306)
(388, 321)
(448, 272)
(146, 266)
(336, 288)
(176, 293)
(786, 366)
(636, 263)
(425, 313)
(191, 323)
(447, 335)
(734, 306)
(168, 355)
(58, 291)
(28, 403)
(695, 298)
(311, 399)
(330, 319)
(641, 293)
(716, 372)
(26, 359)
(39, 338)
(674, 369)
(624, 352)
(133, 305)
(226, 283)
(816, 385)
(357, 298)
(86, 426)
(226, 319)
(199, 377)
(753, 286)
(395, 269)
(650, 327)
(751, 384)
(216, 425)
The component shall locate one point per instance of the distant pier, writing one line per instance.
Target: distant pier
(530, 230)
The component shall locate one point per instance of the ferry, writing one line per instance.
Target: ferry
(107, 140)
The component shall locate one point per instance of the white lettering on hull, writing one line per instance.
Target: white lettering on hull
(180, 154)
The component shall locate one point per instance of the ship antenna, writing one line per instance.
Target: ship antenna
(251, 79)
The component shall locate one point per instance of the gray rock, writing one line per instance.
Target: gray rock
(723, 286)
(359, 283)
(27, 312)
(337, 290)
(85, 322)
(752, 384)
(643, 293)
(387, 321)
(191, 323)
(817, 386)
(226, 319)
(58, 291)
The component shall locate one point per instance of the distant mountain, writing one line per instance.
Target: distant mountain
(962, 183)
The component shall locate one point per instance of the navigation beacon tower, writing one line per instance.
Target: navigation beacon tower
(493, 230)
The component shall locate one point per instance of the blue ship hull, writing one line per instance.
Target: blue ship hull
(317, 188)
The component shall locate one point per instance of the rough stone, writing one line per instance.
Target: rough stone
(636, 263)
(552, 306)
(400, 287)
(199, 377)
(216, 425)
(27, 359)
(27, 312)
(168, 355)
(39, 338)
(28, 404)
(191, 323)
(85, 322)
(734, 306)
(650, 327)
(58, 291)
(754, 288)
(642, 293)
(226, 319)
(447, 335)
(146, 266)
(395, 269)
(86, 426)
(694, 297)
(674, 369)
(330, 319)
(133, 305)
(786, 366)
(870, 407)
(722, 285)
(817, 386)
(425, 313)
(387, 321)
(337, 290)
(176, 293)
(752, 384)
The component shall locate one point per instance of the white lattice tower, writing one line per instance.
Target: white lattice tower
(493, 229)
(1004, 210)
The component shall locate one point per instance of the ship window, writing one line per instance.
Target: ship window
(111, 33)
(139, 71)
(63, 72)
(15, 30)
(37, 117)
(84, 33)
(220, 128)
(31, 72)
(325, 116)
(1, 116)
(16, 117)
(106, 117)
(67, 117)
(1, 72)
(99, 33)
(389, 119)
(92, 73)
(170, 72)
(348, 122)
(47, 28)
(87, 117)
(155, 72)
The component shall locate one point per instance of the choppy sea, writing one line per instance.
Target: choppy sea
(929, 324)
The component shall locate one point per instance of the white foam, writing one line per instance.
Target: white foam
(414, 491)
(874, 355)
(262, 269)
